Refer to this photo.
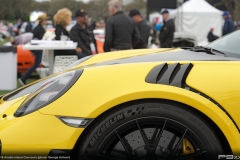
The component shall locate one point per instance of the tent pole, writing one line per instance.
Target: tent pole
(181, 16)
(180, 4)
(178, 15)
(148, 8)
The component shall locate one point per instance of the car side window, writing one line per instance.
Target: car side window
(229, 43)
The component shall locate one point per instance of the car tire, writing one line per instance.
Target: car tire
(100, 136)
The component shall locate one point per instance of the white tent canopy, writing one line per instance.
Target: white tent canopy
(197, 17)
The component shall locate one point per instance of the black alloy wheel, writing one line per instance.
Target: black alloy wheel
(151, 138)
(150, 131)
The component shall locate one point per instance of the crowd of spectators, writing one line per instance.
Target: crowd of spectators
(122, 32)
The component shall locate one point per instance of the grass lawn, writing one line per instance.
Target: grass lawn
(2, 42)
(19, 85)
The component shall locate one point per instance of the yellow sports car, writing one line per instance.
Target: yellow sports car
(141, 104)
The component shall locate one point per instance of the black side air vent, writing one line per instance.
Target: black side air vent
(174, 74)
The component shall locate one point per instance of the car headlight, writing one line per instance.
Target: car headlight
(48, 92)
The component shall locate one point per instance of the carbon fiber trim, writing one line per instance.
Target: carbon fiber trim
(174, 74)
(165, 79)
(180, 78)
(156, 72)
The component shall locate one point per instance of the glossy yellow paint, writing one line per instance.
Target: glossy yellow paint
(221, 82)
(102, 88)
(107, 57)
(124, 54)
(34, 134)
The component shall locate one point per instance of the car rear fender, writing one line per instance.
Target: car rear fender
(201, 104)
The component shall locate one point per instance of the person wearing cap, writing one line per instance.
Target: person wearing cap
(38, 33)
(83, 35)
(211, 37)
(167, 31)
(121, 31)
(228, 26)
(143, 28)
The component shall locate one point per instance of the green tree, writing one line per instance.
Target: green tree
(233, 6)
(96, 9)
(141, 5)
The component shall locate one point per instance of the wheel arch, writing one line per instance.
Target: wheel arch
(221, 135)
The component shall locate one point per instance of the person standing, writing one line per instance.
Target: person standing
(17, 26)
(167, 31)
(143, 28)
(28, 27)
(62, 19)
(38, 33)
(83, 35)
(228, 26)
(211, 37)
(121, 31)
(10, 30)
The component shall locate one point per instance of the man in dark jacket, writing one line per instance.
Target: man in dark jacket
(143, 28)
(211, 37)
(121, 31)
(83, 35)
(228, 26)
(18, 26)
(38, 33)
(167, 31)
(29, 27)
